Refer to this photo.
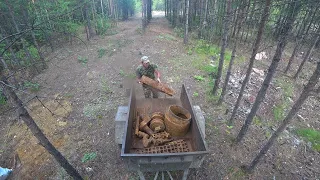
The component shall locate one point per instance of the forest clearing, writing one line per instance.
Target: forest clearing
(66, 67)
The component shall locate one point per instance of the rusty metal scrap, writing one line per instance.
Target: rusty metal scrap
(144, 124)
(177, 146)
(159, 86)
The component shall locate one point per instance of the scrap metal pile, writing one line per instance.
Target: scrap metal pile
(160, 133)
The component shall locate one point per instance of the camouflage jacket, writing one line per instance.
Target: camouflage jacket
(149, 72)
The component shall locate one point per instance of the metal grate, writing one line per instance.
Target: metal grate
(177, 146)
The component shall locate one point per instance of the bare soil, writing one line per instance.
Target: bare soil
(81, 100)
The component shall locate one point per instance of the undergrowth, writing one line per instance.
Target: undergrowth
(312, 136)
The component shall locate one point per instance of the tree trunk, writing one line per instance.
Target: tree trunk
(252, 58)
(185, 39)
(295, 108)
(223, 48)
(144, 15)
(307, 56)
(36, 131)
(245, 20)
(233, 54)
(87, 18)
(293, 11)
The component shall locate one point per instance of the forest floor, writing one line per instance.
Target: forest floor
(85, 84)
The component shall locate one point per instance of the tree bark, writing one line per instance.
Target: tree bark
(223, 48)
(307, 56)
(36, 131)
(294, 8)
(295, 108)
(233, 54)
(186, 38)
(252, 58)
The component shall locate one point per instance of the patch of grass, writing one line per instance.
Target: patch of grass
(122, 73)
(279, 111)
(179, 32)
(3, 100)
(105, 87)
(198, 78)
(34, 87)
(128, 75)
(139, 30)
(257, 121)
(167, 37)
(286, 86)
(93, 111)
(68, 95)
(101, 52)
(82, 60)
(88, 157)
(195, 94)
(312, 136)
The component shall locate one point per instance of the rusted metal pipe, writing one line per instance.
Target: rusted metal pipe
(144, 125)
(159, 86)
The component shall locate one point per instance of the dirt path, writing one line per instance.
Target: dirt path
(83, 92)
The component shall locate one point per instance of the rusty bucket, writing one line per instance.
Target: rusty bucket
(177, 120)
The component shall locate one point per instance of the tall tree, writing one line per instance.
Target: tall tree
(293, 11)
(233, 55)
(185, 39)
(264, 18)
(307, 56)
(223, 47)
(308, 89)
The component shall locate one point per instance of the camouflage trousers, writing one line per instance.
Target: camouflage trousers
(147, 90)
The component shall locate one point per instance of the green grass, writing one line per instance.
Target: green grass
(3, 100)
(34, 87)
(195, 94)
(279, 111)
(105, 87)
(286, 86)
(287, 90)
(198, 78)
(101, 52)
(88, 157)
(167, 37)
(82, 60)
(312, 136)
(257, 121)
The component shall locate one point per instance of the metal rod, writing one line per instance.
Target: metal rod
(170, 175)
(185, 174)
(141, 175)
(156, 177)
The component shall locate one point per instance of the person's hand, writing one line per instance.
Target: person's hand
(158, 79)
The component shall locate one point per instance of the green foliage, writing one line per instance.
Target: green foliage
(202, 47)
(158, 5)
(257, 121)
(278, 112)
(195, 94)
(32, 86)
(82, 60)
(3, 100)
(286, 85)
(198, 78)
(88, 157)
(311, 135)
(101, 52)
(167, 37)
(102, 25)
(179, 32)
